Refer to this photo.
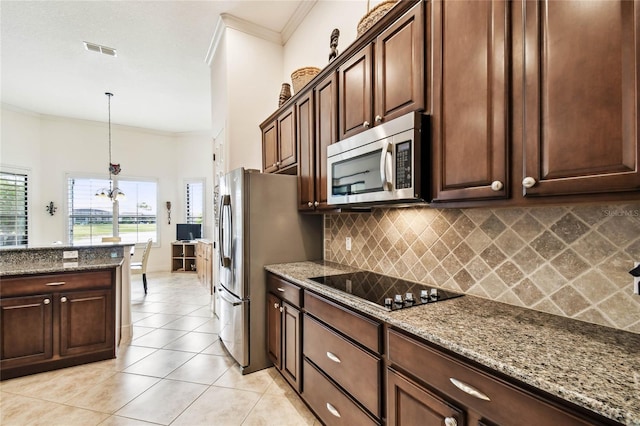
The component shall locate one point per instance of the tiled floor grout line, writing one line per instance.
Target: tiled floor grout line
(257, 392)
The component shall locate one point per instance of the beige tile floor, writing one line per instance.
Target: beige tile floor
(174, 372)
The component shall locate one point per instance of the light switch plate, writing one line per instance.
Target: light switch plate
(71, 254)
(348, 244)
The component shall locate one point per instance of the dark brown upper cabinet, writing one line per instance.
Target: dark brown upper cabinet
(384, 79)
(279, 147)
(307, 149)
(471, 48)
(581, 75)
(326, 131)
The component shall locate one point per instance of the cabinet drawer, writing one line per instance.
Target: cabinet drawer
(358, 372)
(328, 402)
(285, 290)
(53, 283)
(365, 331)
(506, 401)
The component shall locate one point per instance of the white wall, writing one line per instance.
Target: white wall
(309, 44)
(52, 147)
(254, 69)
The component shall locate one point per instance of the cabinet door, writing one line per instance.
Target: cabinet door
(355, 94)
(326, 98)
(470, 116)
(306, 147)
(399, 66)
(287, 148)
(291, 351)
(86, 322)
(410, 404)
(270, 148)
(274, 328)
(581, 96)
(25, 330)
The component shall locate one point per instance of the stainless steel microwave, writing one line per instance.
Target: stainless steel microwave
(387, 164)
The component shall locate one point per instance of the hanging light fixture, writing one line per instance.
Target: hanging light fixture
(113, 193)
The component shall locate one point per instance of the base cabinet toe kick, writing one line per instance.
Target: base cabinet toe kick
(352, 369)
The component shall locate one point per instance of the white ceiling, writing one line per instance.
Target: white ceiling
(159, 78)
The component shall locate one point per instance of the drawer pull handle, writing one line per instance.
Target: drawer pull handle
(46, 301)
(57, 283)
(281, 290)
(63, 299)
(469, 389)
(333, 410)
(333, 357)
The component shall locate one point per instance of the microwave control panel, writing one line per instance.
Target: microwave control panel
(403, 165)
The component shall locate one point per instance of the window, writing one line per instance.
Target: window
(194, 201)
(13, 209)
(91, 217)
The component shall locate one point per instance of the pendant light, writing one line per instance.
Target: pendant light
(113, 193)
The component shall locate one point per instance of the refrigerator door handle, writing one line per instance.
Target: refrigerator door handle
(226, 299)
(225, 204)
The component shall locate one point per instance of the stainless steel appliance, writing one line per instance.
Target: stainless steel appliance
(388, 292)
(258, 225)
(387, 164)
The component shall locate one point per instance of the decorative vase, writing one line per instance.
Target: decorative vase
(285, 94)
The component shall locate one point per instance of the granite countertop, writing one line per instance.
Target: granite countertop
(589, 365)
(42, 260)
(29, 268)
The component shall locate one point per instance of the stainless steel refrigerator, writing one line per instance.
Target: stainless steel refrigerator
(258, 224)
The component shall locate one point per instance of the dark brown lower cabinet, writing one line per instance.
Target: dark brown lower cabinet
(56, 320)
(26, 334)
(435, 385)
(410, 404)
(328, 402)
(284, 329)
(86, 322)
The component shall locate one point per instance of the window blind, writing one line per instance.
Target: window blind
(14, 223)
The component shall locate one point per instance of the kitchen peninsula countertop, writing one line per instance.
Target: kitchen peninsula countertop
(592, 366)
(49, 259)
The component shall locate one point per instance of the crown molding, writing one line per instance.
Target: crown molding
(296, 19)
(227, 20)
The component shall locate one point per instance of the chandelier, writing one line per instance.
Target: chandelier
(113, 193)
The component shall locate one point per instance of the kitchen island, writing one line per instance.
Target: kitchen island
(63, 305)
(594, 367)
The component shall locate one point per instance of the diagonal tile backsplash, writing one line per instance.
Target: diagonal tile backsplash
(571, 261)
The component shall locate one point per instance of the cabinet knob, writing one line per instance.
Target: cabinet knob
(366, 124)
(281, 309)
(63, 299)
(528, 182)
(277, 163)
(273, 165)
(310, 204)
(378, 119)
(496, 185)
(333, 410)
(46, 301)
(450, 421)
(316, 204)
(275, 305)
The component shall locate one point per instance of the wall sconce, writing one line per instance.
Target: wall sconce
(51, 209)
(169, 212)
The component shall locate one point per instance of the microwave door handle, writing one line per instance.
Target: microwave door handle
(386, 167)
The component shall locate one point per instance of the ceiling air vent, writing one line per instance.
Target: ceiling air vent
(110, 51)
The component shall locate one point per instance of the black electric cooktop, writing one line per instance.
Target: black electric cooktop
(388, 292)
